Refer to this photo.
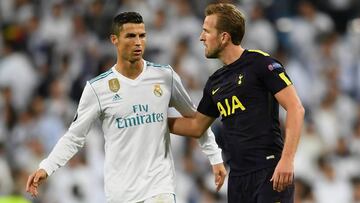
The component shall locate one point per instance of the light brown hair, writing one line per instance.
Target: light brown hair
(229, 19)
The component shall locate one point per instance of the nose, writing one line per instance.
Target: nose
(137, 41)
(201, 37)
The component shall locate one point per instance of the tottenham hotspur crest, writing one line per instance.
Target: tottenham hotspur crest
(157, 90)
(241, 77)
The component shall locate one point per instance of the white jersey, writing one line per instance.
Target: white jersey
(138, 162)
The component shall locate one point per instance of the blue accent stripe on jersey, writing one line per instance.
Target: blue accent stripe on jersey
(156, 65)
(96, 97)
(101, 76)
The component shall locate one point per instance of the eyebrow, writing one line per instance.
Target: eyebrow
(129, 34)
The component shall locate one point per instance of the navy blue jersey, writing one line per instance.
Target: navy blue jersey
(242, 93)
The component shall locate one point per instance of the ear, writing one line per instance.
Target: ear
(225, 37)
(114, 39)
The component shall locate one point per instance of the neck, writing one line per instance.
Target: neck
(129, 69)
(231, 53)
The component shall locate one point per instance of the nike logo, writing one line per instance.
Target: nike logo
(214, 91)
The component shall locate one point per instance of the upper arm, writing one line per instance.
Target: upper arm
(288, 98)
(87, 112)
(180, 99)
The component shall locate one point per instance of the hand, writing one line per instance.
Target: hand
(220, 174)
(283, 175)
(34, 181)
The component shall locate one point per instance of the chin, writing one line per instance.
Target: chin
(210, 55)
(136, 59)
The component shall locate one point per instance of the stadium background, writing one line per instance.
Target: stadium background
(49, 48)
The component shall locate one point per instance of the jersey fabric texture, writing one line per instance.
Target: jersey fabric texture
(133, 113)
(255, 187)
(242, 93)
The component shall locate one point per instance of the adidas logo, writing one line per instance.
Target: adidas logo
(116, 98)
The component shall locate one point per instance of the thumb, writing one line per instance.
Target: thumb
(275, 174)
(217, 178)
(36, 178)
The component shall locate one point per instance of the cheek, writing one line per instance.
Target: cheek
(143, 43)
(212, 41)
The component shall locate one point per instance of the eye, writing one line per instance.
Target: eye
(130, 35)
(143, 35)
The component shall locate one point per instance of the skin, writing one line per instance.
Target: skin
(130, 44)
(218, 45)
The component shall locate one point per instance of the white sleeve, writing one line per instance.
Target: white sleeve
(180, 99)
(74, 139)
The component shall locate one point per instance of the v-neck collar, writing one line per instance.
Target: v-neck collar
(237, 61)
(128, 80)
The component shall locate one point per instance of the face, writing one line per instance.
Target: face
(131, 42)
(210, 37)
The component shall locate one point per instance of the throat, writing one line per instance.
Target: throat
(130, 70)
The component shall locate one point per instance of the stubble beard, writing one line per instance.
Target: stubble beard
(213, 54)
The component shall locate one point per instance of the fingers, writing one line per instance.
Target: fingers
(220, 180)
(34, 181)
(220, 174)
(29, 182)
(30, 187)
(280, 185)
(281, 180)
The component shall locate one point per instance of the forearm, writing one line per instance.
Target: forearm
(209, 147)
(64, 150)
(184, 127)
(293, 126)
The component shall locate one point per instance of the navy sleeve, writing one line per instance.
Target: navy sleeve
(207, 105)
(273, 74)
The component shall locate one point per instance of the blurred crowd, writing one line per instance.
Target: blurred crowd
(50, 48)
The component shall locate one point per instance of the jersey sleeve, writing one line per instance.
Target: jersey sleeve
(74, 139)
(273, 74)
(180, 99)
(207, 105)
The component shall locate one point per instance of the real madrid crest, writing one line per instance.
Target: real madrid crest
(114, 85)
(157, 90)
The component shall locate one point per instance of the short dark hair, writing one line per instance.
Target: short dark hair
(229, 19)
(123, 18)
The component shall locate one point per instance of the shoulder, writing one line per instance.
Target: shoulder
(159, 70)
(258, 54)
(102, 77)
(103, 80)
(159, 67)
(263, 59)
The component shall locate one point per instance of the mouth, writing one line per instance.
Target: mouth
(137, 52)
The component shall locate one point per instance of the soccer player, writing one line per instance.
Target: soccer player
(246, 93)
(131, 100)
